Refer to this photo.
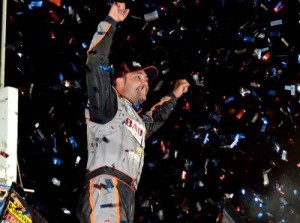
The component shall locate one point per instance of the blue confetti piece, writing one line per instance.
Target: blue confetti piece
(229, 99)
(238, 136)
(272, 93)
(277, 6)
(107, 69)
(206, 127)
(260, 215)
(73, 142)
(206, 139)
(284, 64)
(154, 141)
(196, 135)
(61, 77)
(57, 161)
(36, 4)
(137, 106)
(248, 39)
(262, 204)
(107, 205)
(109, 183)
(264, 126)
(100, 33)
(153, 40)
(19, 13)
(275, 33)
(215, 117)
(25, 212)
(84, 45)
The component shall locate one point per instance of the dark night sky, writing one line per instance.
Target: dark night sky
(224, 48)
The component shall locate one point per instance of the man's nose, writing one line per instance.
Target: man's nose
(145, 81)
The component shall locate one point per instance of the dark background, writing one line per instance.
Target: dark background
(224, 48)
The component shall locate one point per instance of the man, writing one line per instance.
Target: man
(116, 133)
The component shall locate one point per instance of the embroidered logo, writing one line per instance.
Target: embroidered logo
(137, 130)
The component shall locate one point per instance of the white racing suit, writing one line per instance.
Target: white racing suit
(116, 136)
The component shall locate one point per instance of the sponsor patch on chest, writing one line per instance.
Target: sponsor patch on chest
(137, 130)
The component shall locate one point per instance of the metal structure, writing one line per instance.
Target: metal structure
(8, 117)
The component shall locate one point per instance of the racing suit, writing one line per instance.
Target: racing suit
(116, 135)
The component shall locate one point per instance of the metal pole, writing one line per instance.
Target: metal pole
(3, 42)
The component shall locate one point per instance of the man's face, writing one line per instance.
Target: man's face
(134, 86)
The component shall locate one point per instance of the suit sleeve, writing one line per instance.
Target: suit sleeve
(102, 98)
(159, 113)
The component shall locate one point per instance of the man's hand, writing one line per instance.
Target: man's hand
(118, 11)
(181, 86)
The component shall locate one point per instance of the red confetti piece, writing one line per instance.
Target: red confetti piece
(162, 146)
(4, 154)
(241, 113)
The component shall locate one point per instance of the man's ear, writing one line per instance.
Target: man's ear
(119, 81)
